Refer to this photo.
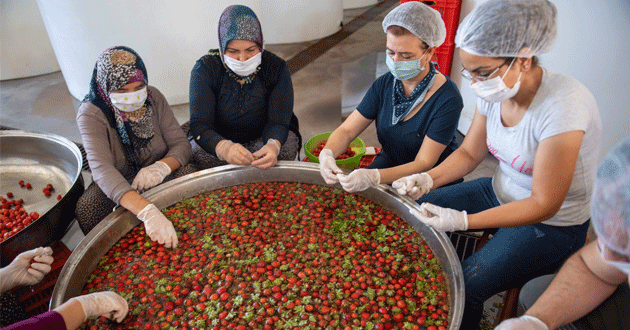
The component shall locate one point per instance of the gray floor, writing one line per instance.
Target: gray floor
(339, 77)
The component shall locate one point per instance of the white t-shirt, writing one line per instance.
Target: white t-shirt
(562, 104)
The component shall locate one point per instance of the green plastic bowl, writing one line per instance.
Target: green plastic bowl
(357, 145)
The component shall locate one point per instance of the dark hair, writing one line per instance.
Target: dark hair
(401, 31)
(535, 60)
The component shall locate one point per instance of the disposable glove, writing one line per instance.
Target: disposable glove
(441, 218)
(106, 303)
(524, 322)
(359, 180)
(267, 156)
(234, 153)
(328, 167)
(151, 176)
(414, 185)
(21, 272)
(157, 226)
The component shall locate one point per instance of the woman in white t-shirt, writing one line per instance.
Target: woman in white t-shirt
(545, 130)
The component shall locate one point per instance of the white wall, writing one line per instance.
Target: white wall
(170, 37)
(593, 46)
(25, 49)
(351, 4)
(287, 21)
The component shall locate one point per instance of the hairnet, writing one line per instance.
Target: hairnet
(610, 205)
(508, 28)
(423, 21)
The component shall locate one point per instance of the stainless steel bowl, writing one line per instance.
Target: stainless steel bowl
(86, 256)
(39, 159)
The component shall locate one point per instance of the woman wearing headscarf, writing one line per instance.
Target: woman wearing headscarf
(241, 99)
(133, 142)
(545, 130)
(415, 107)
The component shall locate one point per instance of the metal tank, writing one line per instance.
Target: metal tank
(86, 256)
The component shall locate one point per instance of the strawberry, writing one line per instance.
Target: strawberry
(305, 256)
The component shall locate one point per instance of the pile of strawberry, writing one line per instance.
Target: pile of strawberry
(276, 255)
(346, 154)
(13, 216)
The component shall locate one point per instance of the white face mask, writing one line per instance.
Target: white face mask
(246, 68)
(128, 102)
(494, 90)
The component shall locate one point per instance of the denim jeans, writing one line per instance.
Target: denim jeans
(512, 256)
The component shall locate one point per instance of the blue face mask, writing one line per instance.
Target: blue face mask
(404, 70)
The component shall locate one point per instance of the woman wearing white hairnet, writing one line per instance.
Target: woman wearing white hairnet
(599, 272)
(415, 107)
(545, 130)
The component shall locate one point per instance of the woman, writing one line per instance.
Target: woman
(545, 130)
(241, 99)
(415, 107)
(29, 268)
(133, 142)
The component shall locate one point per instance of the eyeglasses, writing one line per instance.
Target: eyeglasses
(481, 77)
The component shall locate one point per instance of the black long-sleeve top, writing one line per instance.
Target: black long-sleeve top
(221, 108)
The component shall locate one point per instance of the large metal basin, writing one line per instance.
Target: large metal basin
(39, 159)
(86, 256)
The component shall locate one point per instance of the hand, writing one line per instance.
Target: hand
(267, 155)
(151, 176)
(328, 167)
(414, 185)
(524, 322)
(157, 226)
(106, 303)
(233, 153)
(359, 180)
(441, 218)
(22, 272)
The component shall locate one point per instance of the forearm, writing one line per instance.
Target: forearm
(518, 213)
(72, 313)
(171, 162)
(338, 141)
(277, 132)
(133, 202)
(574, 292)
(458, 164)
(389, 175)
(205, 136)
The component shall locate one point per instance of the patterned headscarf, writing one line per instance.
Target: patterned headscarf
(239, 22)
(115, 68)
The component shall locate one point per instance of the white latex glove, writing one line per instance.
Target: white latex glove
(359, 180)
(106, 303)
(267, 156)
(233, 153)
(441, 218)
(524, 322)
(157, 226)
(414, 185)
(328, 167)
(21, 272)
(151, 176)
